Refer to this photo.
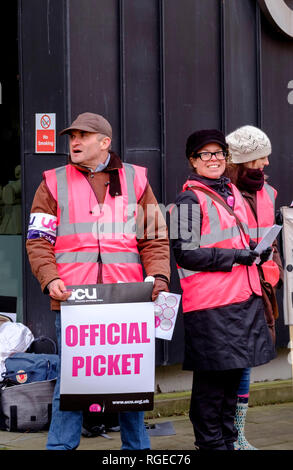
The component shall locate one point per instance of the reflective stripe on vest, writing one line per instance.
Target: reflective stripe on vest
(219, 234)
(225, 229)
(89, 236)
(67, 228)
(183, 273)
(204, 290)
(265, 209)
(108, 258)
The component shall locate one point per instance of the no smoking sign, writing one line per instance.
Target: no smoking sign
(45, 133)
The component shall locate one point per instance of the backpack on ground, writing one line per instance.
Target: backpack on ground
(26, 391)
(26, 407)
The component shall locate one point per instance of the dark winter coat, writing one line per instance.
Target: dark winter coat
(228, 337)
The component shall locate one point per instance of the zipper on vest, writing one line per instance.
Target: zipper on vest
(100, 269)
(99, 261)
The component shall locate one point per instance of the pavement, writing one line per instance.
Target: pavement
(268, 427)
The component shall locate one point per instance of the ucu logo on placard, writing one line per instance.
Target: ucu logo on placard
(95, 408)
(89, 293)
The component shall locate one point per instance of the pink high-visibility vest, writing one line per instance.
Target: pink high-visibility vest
(96, 243)
(265, 209)
(205, 290)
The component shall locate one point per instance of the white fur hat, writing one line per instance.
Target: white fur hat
(248, 143)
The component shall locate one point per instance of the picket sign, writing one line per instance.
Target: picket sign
(108, 348)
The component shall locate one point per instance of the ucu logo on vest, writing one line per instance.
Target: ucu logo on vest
(88, 293)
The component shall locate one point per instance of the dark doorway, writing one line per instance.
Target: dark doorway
(10, 175)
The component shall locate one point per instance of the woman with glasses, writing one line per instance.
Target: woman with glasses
(250, 148)
(225, 329)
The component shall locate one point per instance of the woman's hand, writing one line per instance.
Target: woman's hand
(246, 257)
(265, 255)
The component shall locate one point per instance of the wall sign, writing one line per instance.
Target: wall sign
(45, 133)
(279, 14)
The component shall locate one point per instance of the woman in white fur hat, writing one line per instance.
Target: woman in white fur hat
(250, 149)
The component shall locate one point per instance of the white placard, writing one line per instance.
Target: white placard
(166, 308)
(107, 349)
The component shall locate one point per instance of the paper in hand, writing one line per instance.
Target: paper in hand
(267, 239)
(166, 308)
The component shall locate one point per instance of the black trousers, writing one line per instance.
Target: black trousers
(212, 408)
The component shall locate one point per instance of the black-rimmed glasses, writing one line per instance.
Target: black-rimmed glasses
(206, 156)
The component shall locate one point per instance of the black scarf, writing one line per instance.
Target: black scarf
(219, 185)
(250, 180)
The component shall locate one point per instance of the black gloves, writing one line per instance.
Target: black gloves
(279, 217)
(265, 255)
(252, 244)
(246, 257)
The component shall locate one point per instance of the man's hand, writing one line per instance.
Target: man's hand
(57, 290)
(159, 286)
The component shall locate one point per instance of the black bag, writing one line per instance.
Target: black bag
(27, 390)
(26, 407)
(43, 344)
